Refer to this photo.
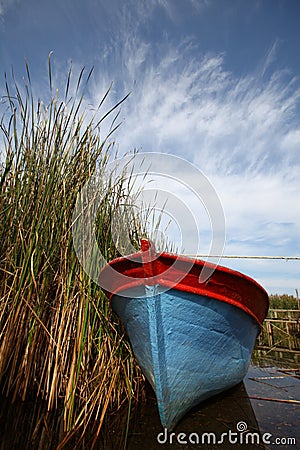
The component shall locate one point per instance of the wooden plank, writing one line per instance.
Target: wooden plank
(277, 349)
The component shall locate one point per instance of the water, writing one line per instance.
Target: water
(232, 420)
(280, 415)
(252, 415)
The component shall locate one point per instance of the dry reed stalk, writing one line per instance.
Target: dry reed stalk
(278, 400)
(60, 345)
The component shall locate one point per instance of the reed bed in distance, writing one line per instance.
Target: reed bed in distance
(62, 352)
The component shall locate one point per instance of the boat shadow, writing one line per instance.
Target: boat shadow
(208, 425)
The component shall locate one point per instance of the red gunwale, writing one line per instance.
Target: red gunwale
(224, 284)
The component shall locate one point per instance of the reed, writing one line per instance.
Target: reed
(283, 301)
(61, 349)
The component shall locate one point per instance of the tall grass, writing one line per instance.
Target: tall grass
(283, 301)
(61, 349)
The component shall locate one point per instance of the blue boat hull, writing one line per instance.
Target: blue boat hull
(190, 347)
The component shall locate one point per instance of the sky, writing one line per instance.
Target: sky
(214, 82)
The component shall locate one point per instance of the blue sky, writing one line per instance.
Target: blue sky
(214, 81)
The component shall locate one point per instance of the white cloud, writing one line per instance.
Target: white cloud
(219, 121)
(242, 132)
(262, 212)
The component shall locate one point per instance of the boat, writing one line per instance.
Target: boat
(192, 338)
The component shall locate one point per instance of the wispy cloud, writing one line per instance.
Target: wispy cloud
(222, 122)
(241, 131)
(270, 57)
(5, 5)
